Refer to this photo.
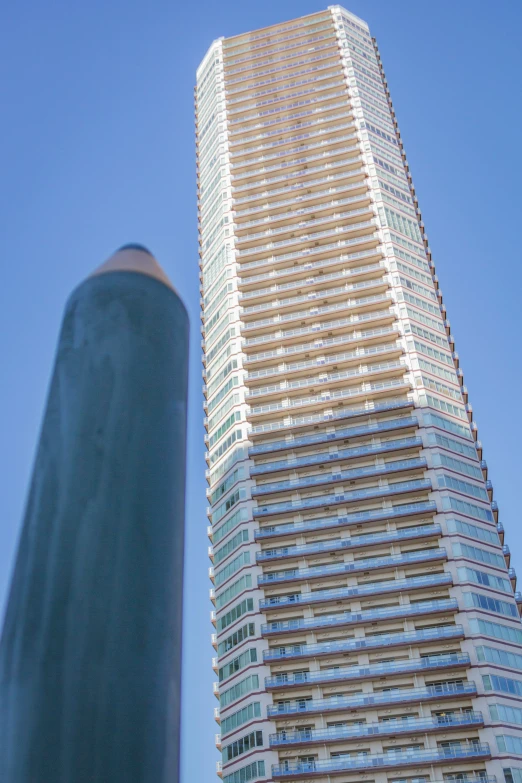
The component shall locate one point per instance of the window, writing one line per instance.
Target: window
(240, 717)
(502, 657)
(484, 578)
(493, 682)
(242, 745)
(498, 631)
(506, 713)
(509, 744)
(473, 531)
(481, 601)
(244, 774)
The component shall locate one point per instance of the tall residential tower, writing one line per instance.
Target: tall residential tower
(366, 624)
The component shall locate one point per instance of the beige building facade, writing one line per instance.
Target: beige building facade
(366, 621)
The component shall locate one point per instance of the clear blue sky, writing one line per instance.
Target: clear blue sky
(97, 149)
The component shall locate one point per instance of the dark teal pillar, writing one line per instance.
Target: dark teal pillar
(90, 656)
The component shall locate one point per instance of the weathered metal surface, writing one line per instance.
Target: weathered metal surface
(90, 656)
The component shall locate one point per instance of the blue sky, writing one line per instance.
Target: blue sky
(97, 149)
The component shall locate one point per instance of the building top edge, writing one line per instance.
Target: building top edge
(215, 45)
(236, 39)
(342, 9)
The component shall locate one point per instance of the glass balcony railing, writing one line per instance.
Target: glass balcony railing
(272, 84)
(297, 94)
(299, 47)
(315, 196)
(324, 399)
(333, 231)
(303, 110)
(343, 673)
(303, 224)
(348, 496)
(375, 642)
(370, 471)
(322, 363)
(306, 172)
(347, 288)
(397, 758)
(245, 164)
(356, 592)
(305, 185)
(325, 457)
(307, 252)
(385, 728)
(277, 288)
(319, 57)
(298, 128)
(332, 523)
(378, 699)
(299, 214)
(296, 282)
(355, 319)
(327, 416)
(261, 170)
(343, 544)
(256, 97)
(436, 606)
(341, 434)
(334, 569)
(320, 344)
(330, 107)
(297, 315)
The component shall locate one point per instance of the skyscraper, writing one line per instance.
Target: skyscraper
(366, 620)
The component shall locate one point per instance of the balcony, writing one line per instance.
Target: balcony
(362, 430)
(365, 701)
(389, 351)
(251, 81)
(285, 308)
(324, 457)
(390, 760)
(347, 673)
(322, 345)
(217, 715)
(345, 619)
(365, 231)
(355, 542)
(305, 157)
(334, 523)
(368, 731)
(335, 569)
(340, 476)
(291, 170)
(343, 328)
(342, 498)
(340, 594)
(315, 311)
(315, 196)
(297, 214)
(332, 107)
(374, 270)
(375, 642)
(303, 129)
(241, 167)
(303, 253)
(305, 184)
(346, 168)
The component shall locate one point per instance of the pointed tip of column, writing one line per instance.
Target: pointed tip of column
(134, 258)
